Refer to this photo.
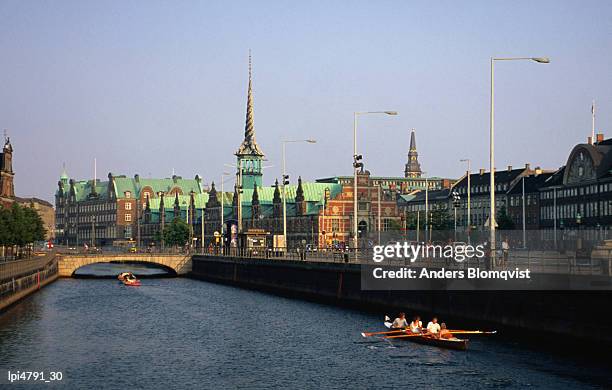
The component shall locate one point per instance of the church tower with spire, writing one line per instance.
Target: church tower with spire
(249, 155)
(413, 168)
(7, 188)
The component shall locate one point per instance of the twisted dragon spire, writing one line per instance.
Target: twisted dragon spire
(249, 146)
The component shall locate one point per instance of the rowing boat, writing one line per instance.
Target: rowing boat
(452, 343)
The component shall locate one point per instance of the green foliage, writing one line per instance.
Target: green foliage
(411, 220)
(394, 225)
(504, 222)
(441, 219)
(177, 233)
(20, 226)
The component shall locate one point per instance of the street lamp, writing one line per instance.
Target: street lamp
(285, 182)
(541, 60)
(358, 164)
(469, 191)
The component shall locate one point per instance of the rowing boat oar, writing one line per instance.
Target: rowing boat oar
(472, 332)
(368, 334)
(405, 335)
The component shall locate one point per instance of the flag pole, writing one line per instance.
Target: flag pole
(593, 121)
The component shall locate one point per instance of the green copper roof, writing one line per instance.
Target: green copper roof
(313, 192)
(199, 200)
(82, 190)
(123, 184)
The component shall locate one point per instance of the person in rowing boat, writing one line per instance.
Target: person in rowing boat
(416, 325)
(445, 333)
(400, 322)
(433, 328)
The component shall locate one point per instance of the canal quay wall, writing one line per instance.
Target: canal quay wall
(20, 278)
(578, 316)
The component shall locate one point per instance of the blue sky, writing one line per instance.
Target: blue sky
(151, 86)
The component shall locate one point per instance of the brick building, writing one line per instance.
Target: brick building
(123, 209)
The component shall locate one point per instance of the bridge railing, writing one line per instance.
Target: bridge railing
(16, 268)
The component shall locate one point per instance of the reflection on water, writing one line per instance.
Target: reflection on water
(183, 333)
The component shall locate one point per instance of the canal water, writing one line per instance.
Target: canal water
(183, 333)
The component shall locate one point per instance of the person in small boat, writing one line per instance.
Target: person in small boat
(445, 333)
(400, 322)
(433, 327)
(416, 325)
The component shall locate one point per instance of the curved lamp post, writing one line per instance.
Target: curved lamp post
(492, 223)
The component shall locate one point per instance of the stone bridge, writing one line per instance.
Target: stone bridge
(179, 263)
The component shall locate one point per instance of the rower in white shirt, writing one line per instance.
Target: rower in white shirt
(433, 327)
(400, 322)
(416, 325)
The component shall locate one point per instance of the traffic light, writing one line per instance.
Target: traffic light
(285, 180)
(456, 199)
(356, 161)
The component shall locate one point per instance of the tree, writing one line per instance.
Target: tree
(411, 222)
(440, 218)
(20, 226)
(33, 225)
(504, 222)
(6, 234)
(394, 225)
(177, 233)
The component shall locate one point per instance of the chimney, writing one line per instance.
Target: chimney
(590, 140)
(509, 168)
(538, 171)
(174, 178)
(481, 171)
(137, 178)
(600, 137)
(527, 166)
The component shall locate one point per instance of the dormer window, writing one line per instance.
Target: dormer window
(128, 194)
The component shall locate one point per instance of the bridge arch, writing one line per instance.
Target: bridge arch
(179, 264)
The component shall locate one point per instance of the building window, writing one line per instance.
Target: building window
(128, 217)
(335, 225)
(128, 194)
(128, 206)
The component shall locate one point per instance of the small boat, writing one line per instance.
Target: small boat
(452, 343)
(128, 279)
(131, 282)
